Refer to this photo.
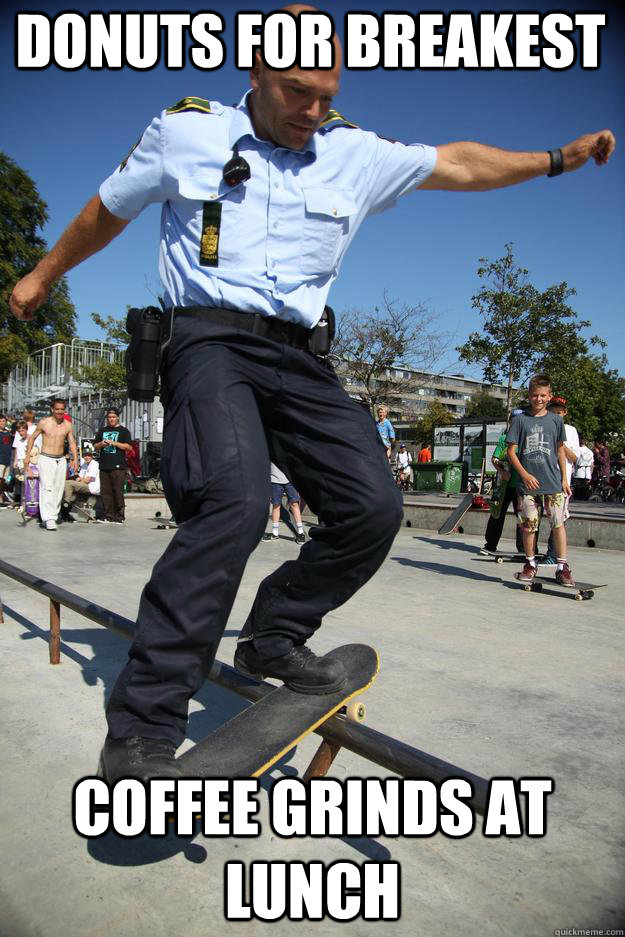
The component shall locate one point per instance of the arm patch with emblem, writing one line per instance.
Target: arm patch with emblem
(190, 104)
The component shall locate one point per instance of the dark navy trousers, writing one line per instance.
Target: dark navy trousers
(233, 401)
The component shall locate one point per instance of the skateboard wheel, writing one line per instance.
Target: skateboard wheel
(579, 596)
(356, 711)
(499, 559)
(527, 587)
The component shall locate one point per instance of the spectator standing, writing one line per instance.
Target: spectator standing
(112, 443)
(507, 481)
(425, 454)
(6, 446)
(385, 429)
(280, 486)
(56, 432)
(602, 461)
(28, 417)
(404, 461)
(582, 472)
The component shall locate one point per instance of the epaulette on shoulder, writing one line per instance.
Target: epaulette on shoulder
(190, 104)
(334, 119)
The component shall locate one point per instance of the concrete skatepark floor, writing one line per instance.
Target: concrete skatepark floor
(473, 670)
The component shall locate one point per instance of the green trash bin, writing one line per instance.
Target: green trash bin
(438, 476)
(452, 477)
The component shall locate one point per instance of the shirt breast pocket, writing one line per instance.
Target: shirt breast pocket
(327, 217)
(214, 214)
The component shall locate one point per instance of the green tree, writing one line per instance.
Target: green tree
(394, 337)
(595, 393)
(521, 324)
(435, 415)
(22, 214)
(108, 376)
(483, 406)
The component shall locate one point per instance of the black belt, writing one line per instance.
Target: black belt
(287, 333)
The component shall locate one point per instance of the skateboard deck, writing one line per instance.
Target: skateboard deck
(502, 556)
(580, 591)
(251, 742)
(85, 513)
(456, 515)
(164, 523)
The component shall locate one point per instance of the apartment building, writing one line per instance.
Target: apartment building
(408, 393)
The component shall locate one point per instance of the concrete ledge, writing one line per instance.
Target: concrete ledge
(140, 505)
(605, 533)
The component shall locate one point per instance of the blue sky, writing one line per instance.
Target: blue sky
(70, 129)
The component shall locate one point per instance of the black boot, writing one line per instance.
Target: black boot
(138, 757)
(300, 669)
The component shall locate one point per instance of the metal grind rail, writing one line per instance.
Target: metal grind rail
(337, 732)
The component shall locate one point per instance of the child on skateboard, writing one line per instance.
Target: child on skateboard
(536, 450)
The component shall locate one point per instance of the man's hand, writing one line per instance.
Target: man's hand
(530, 482)
(28, 294)
(566, 488)
(74, 465)
(598, 145)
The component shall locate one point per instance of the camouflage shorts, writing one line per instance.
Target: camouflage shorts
(553, 506)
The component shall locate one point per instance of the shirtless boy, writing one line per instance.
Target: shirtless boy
(52, 465)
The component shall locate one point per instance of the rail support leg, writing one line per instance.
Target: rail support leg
(322, 760)
(55, 632)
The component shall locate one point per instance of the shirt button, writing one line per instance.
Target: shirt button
(276, 185)
(334, 212)
(275, 224)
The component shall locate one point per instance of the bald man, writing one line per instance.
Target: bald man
(259, 204)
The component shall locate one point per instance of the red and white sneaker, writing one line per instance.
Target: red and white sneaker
(564, 576)
(527, 573)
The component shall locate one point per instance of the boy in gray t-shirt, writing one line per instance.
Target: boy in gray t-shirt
(535, 449)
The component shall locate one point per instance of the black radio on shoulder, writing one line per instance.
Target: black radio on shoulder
(236, 169)
(144, 352)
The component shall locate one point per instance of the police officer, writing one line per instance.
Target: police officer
(260, 202)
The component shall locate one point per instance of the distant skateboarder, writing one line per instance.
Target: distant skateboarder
(538, 437)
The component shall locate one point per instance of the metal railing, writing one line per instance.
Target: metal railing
(337, 732)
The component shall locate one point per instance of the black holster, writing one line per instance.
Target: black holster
(143, 355)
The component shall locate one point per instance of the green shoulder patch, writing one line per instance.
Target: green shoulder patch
(334, 119)
(190, 104)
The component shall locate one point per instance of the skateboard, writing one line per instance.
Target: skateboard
(580, 591)
(163, 523)
(456, 515)
(85, 513)
(502, 556)
(250, 743)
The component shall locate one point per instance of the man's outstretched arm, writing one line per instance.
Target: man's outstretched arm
(474, 167)
(88, 233)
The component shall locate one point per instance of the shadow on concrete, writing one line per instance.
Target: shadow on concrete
(445, 570)
(219, 706)
(449, 544)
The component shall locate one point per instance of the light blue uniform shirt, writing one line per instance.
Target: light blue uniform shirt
(284, 231)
